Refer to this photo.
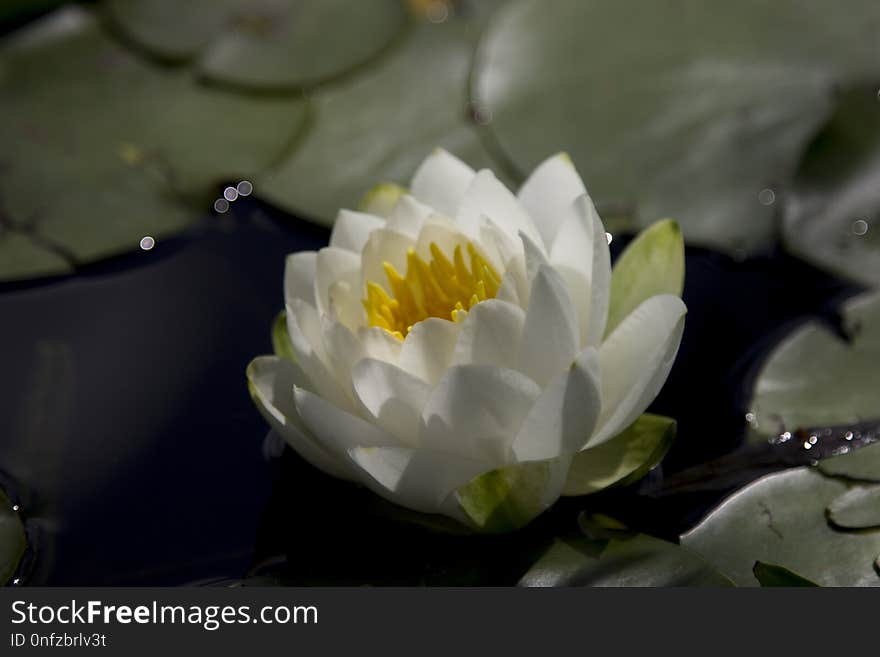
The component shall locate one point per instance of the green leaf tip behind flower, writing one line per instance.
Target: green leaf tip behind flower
(281, 344)
(624, 459)
(12, 539)
(381, 199)
(771, 575)
(652, 264)
(506, 498)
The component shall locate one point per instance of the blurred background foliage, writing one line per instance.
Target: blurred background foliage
(748, 122)
(755, 124)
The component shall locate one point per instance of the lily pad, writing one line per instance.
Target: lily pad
(772, 575)
(101, 149)
(780, 519)
(683, 109)
(12, 539)
(262, 44)
(638, 560)
(858, 508)
(814, 378)
(832, 215)
(377, 127)
(859, 465)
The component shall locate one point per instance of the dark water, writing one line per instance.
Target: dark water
(128, 436)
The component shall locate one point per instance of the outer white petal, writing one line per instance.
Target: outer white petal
(384, 245)
(299, 277)
(428, 348)
(476, 411)
(334, 265)
(565, 414)
(393, 397)
(488, 197)
(271, 381)
(550, 335)
(635, 361)
(441, 181)
(336, 429)
(418, 479)
(408, 216)
(490, 335)
(549, 191)
(580, 254)
(351, 229)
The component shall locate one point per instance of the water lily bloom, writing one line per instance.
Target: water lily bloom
(465, 351)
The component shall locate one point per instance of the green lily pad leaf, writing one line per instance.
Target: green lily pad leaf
(832, 212)
(509, 498)
(21, 258)
(814, 378)
(136, 151)
(703, 121)
(772, 575)
(267, 44)
(624, 459)
(653, 263)
(378, 126)
(639, 560)
(781, 519)
(12, 539)
(859, 465)
(857, 508)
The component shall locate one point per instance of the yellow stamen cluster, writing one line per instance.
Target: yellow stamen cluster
(441, 288)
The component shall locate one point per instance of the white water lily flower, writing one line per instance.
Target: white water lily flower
(468, 353)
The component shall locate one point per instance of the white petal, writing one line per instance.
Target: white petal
(549, 191)
(334, 265)
(488, 197)
(271, 381)
(550, 335)
(342, 350)
(476, 411)
(635, 361)
(418, 479)
(384, 245)
(441, 181)
(515, 283)
(299, 277)
(580, 254)
(336, 429)
(351, 229)
(380, 344)
(565, 414)
(307, 339)
(445, 235)
(534, 254)
(408, 216)
(393, 397)
(490, 335)
(428, 348)
(346, 304)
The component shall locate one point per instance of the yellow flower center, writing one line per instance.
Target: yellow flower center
(441, 288)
